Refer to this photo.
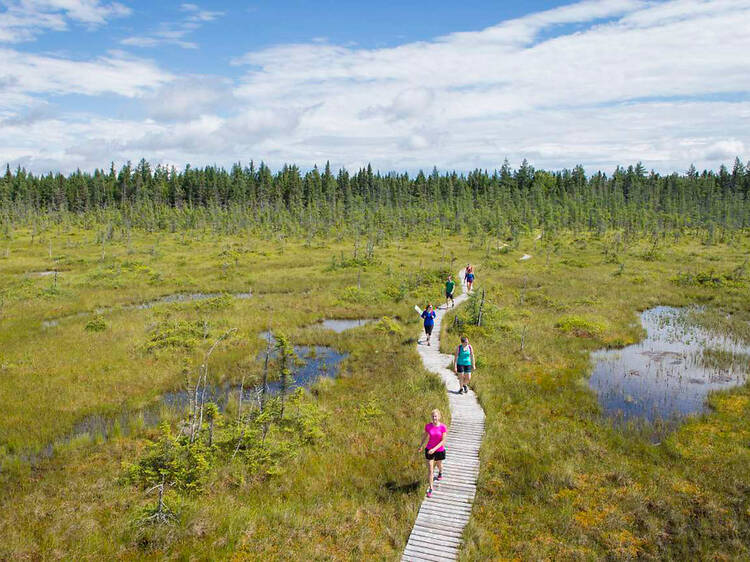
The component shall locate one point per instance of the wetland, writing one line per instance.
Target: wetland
(101, 405)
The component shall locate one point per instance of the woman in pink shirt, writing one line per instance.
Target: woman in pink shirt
(433, 442)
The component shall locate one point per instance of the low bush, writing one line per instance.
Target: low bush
(580, 327)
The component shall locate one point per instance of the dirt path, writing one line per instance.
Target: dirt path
(436, 535)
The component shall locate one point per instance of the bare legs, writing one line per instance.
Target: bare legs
(431, 471)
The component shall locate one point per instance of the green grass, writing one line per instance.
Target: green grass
(556, 481)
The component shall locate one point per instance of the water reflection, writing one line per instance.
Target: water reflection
(311, 364)
(669, 374)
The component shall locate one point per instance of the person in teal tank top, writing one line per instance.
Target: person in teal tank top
(463, 364)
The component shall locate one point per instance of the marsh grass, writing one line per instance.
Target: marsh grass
(557, 481)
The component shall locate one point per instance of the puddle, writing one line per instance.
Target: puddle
(314, 362)
(175, 298)
(183, 297)
(668, 375)
(339, 325)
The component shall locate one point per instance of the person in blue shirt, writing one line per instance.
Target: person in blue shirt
(429, 321)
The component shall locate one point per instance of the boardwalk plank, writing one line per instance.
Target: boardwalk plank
(439, 538)
(434, 544)
(438, 529)
(415, 555)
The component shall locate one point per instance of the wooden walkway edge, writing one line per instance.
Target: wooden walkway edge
(436, 535)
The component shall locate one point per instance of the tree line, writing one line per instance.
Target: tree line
(499, 201)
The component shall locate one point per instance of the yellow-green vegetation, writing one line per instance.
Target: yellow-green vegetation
(338, 476)
(559, 483)
(335, 477)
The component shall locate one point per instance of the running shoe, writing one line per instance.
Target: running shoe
(460, 389)
(429, 492)
(466, 389)
(440, 476)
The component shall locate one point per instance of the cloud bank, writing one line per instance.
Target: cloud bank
(599, 83)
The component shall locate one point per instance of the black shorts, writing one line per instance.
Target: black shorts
(428, 330)
(448, 295)
(436, 456)
(463, 369)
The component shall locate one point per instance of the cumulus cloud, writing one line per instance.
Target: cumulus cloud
(527, 87)
(189, 96)
(598, 82)
(724, 150)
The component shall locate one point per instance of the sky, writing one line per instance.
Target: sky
(403, 85)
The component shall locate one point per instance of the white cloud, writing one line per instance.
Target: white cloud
(189, 96)
(597, 82)
(23, 20)
(174, 33)
(723, 150)
(504, 91)
(115, 73)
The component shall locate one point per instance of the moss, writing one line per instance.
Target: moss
(580, 327)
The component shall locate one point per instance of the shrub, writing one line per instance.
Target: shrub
(215, 303)
(179, 334)
(182, 465)
(357, 295)
(96, 324)
(734, 278)
(389, 326)
(580, 327)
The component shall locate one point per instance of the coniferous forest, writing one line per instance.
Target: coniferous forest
(500, 201)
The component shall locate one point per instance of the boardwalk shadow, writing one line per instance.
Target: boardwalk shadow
(396, 488)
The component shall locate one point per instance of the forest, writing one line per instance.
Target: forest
(503, 201)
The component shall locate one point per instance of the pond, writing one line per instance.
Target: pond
(311, 364)
(340, 325)
(669, 374)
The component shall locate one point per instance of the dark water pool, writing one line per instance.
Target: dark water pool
(668, 375)
(311, 364)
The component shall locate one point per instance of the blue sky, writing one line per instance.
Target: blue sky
(404, 85)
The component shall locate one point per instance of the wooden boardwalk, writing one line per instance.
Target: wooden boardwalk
(437, 532)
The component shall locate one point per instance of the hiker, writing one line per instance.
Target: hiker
(469, 277)
(449, 288)
(429, 321)
(464, 364)
(433, 442)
